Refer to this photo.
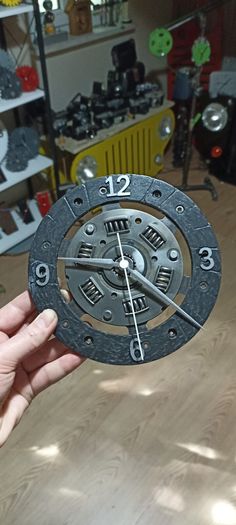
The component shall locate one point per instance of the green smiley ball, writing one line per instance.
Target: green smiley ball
(160, 42)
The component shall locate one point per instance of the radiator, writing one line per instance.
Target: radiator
(138, 149)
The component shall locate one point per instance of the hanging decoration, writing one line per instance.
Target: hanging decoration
(160, 42)
(201, 51)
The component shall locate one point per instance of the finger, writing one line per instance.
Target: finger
(30, 318)
(66, 295)
(12, 412)
(3, 337)
(14, 313)
(25, 343)
(50, 351)
(28, 321)
(33, 314)
(54, 371)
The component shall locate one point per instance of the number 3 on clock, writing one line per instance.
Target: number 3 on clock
(207, 261)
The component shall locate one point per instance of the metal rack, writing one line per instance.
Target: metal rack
(200, 15)
(41, 162)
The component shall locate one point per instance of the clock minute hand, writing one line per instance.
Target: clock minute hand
(124, 265)
(106, 264)
(149, 287)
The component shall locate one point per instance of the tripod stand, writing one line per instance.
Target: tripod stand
(160, 44)
(207, 184)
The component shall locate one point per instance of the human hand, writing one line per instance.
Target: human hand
(30, 361)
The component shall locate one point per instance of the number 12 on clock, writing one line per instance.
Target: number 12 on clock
(122, 191)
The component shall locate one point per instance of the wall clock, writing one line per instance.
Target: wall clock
(140, 261)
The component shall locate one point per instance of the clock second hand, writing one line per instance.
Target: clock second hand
(124, 265)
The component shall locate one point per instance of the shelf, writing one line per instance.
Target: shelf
(98, 34)
(24, 98)
(24, 230)
(36, 165)
(18, 10)
(76, 146)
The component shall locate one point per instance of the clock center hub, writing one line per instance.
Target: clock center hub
(124, 264)
(147, 246)
(133, 258)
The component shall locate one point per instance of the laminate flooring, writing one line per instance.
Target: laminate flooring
(146, 445)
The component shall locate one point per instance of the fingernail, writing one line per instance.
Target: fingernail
(46, 318)
(66, 296)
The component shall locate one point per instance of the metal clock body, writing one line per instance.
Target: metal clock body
(122, 242)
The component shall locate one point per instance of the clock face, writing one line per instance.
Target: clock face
(140, 262)
(201, 51)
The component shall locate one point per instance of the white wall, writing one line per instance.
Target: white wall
(75, 70)
(147, 15)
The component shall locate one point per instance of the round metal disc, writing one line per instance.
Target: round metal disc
(102, 197)
(215, 117)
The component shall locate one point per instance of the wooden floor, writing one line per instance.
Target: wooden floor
(150, 445)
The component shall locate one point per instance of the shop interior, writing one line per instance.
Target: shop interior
(118, 178)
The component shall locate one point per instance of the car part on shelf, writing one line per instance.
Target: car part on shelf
(23, 146)
(10, 86)
(6, 61)
(132, 150)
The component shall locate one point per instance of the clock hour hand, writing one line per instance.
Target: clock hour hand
(151, 288)
(104, 264)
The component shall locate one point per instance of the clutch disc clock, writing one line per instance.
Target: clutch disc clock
(140, 262)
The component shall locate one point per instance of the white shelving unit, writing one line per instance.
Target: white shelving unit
(6, 105)
(24, 230)
(13, 11)
(98, 34)
(37, 165)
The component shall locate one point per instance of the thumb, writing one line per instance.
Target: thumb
(30, 339)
